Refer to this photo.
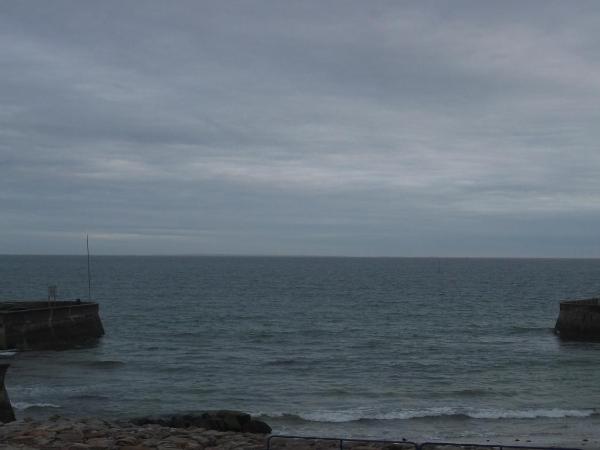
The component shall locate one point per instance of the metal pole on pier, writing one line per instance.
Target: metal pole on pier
(87, 244)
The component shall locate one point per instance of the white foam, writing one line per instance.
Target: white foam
(437, 412)
(24, 405)
(531, 413)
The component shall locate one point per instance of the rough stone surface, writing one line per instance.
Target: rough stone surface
(256, 426)
(42, 325)
(93, 434)
(222, 420)
(579, 320)
(6, 411)
(59, 433)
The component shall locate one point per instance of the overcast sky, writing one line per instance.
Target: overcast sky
(364, 128)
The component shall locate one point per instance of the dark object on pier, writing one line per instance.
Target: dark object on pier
(40, 325)
(222, 420)
(579, 320)
(6, 411)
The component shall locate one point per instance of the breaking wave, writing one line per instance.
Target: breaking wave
(24, 405)
(432, 413)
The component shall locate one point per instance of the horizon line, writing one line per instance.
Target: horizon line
(268, 255)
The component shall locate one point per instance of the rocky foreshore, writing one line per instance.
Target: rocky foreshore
(147, 434)
(174, 432)
(154, 434)
(97, 434)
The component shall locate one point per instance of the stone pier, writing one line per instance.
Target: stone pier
(579, 320)
(38, 325)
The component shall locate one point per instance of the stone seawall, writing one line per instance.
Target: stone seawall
(40, 325)
(579, 320)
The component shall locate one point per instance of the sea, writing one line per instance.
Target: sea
(425, 349)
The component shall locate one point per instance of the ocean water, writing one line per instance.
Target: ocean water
(423, 349)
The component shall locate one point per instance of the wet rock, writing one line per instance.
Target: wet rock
(79, 446)
(100, 443)
(256, 426)
(6, 411)
(221, 420)
(75, 434)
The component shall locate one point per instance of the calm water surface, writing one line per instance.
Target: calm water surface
(457, 349)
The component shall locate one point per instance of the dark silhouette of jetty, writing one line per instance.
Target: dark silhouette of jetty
(579, 320)
(44, 325)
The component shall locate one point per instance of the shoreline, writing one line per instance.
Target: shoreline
(68, 433)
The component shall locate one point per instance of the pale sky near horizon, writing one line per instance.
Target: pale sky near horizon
(380, 128)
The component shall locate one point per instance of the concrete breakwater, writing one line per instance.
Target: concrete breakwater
(579, 320)
(36, 325)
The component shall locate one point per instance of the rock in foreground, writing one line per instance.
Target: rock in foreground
(96, 434)
(222, 420)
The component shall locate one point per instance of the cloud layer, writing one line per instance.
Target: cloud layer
(343, 128)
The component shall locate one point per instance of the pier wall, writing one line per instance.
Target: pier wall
(40, 325)
(579, 320)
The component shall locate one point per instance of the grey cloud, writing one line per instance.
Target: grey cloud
(413, 128)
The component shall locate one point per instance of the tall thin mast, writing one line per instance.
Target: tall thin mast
(87, 244)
